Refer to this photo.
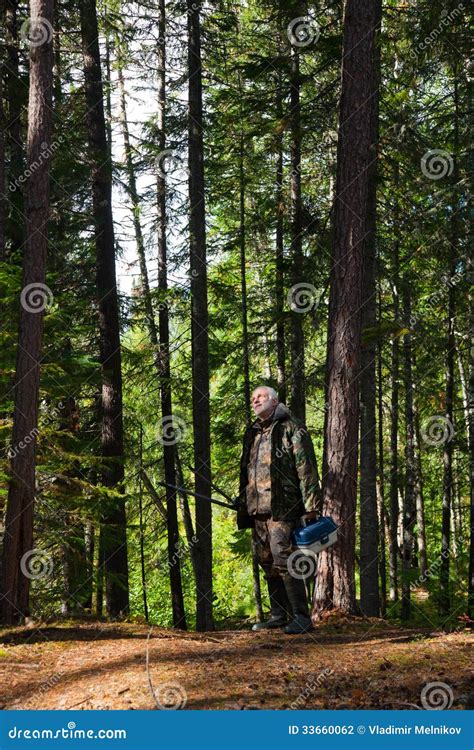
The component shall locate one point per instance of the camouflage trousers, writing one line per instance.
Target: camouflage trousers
(273, 545)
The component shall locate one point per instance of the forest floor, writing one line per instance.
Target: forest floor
(344, 663)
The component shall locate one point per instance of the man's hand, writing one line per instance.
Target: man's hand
(312, 515)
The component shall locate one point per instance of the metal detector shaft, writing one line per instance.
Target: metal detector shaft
(213, 485)
(198, 495)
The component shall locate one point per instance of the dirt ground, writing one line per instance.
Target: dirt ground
(359, 663)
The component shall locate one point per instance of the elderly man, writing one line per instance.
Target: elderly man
(279, 484)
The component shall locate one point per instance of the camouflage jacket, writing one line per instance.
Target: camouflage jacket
(295, 486)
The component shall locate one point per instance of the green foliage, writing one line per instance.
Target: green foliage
(246, 67)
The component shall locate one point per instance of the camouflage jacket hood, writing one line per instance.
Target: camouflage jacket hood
(295, 487)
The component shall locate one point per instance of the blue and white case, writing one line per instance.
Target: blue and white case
(316, 535)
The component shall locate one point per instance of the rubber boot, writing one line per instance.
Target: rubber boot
(279, 606)
(296, 592)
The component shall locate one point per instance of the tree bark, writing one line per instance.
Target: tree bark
(142, 535)
(419, 498)
(15, 138)
(177, 600)
(409, 512)
(3, 203)
(114, 517)
(297, 401)
(335, 585)
(470, 587)
(445, 594)
(199, 324)
(18, 538)
(369, 531)
(383, 526)
(279, 256)
(394, 507)
(245, 337)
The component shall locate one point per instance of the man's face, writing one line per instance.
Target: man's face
(262, 404)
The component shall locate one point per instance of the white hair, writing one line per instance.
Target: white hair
(270, 391)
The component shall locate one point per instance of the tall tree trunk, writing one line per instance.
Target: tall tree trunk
(445, 598)
(243, 281)
(159, 338)
(199, 324)
(464, 387)
(297, 402)
(470, 588)
(114, 530)
(187, 518)
(419, 499)
(57, 67)
(3, 203)
(409, 513)
(383, 525)
(394, 507)
(279, 257)
(245, 340)
(369, 532)
(447, 460)
(89, 553)
(142, 535)
(18, 538)
(177, 600)
(15, 139)
(335, 585)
